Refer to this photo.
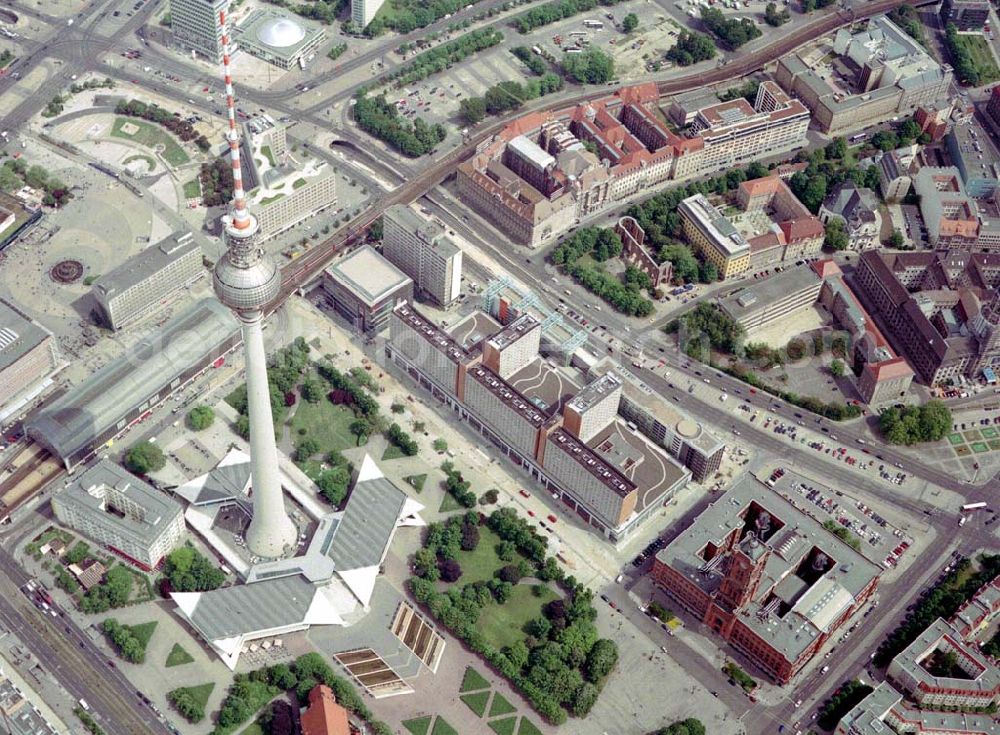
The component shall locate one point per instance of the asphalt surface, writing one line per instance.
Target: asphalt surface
(71, 657)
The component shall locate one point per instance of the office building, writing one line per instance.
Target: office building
(777, 226)
(949, 214)
(993, 106)
(966, 15)
(941, 309)
(196, 27)
(857, 208)
(766, 577)
(29, 356)
(565, 437)
(363, 12)
(684, 438)
(77, 423)
(768, 301)
(881, 72)
(278, 38)
(424, 252)
(736, 132)
(111, 506)
(364, 288)
(18, 714)
(143, 282)
(973, 153)
(634, 253)
(714, 236)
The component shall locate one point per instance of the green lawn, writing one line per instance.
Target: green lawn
(979, 49)
(473, 681)
(192, 189)
(990, 433)
(418, 726)
(416, 482)
(268, 200)
(505, 726)
(501, 624)
(392, 452)
(955, 438)
(299, 183)
(151, 136)
(326, 423)
(200, 693)
(528, 728)
(143, 631)
(266, 150)
(253, 728)
(501, 706)
(150, 163)
(178, 656)
(449, 504)
(441, 727)
(980, 447)
(477, 702)
(480, 564)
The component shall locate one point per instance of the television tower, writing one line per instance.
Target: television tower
(246, 279)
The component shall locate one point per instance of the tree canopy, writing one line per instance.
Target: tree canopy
(914, 424)
(200, 418)
(188, 570)
(145, 457)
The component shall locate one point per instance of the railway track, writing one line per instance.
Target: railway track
(300, 271)
(31, 470)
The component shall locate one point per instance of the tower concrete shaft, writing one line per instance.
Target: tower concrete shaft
(246, 280)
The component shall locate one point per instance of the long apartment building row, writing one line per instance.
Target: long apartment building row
(567, 438)
(539, 176)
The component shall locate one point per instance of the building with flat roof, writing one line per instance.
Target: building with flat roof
(876, 74)
(766, 301)
(113, 507)
(896, 170)
(940, 309)
(364, 288)
(993, 107)
(29, 356)
(886, 708)
(765, 577)
(858, 208)
(684, 438)
(18, 715)
(278, 38)
(966, 15)
(566, 437)
(76, 424)
(974, 154)
(424, 252)
(714, 236)
(949, 213)
(195, 26)
(363, 12)
(143, 282)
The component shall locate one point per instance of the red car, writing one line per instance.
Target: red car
(525, 493)
(552, 518)
(531, 513)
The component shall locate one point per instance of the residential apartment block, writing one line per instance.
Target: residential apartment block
(144, 281)
(111, 506)
(714, 236)
(567, 437)
(966, 15)
(29, 355)
(765, 577)
(882, 73)
(363, 12)
(941, 309)
(424, 252)
(535, 178)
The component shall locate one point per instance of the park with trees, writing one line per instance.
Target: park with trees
(909, 425)
(380, 118)
(690, 48)
(492, 584)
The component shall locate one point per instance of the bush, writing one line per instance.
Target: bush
(188, 570)
(200, 418)
(691, 48)
(593, 66)
(125, 642)
(734, 32)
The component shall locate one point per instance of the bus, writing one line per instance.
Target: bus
(593, 24)
(858, 138)
(973, 506)
(578, 34)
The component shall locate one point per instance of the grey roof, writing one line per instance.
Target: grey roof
(430, 233)
(233, 611)
(87, 410)
(89, 493)
(809, 614)
(361, 538)
(866, 717)
(986, 678)
(225, 482)
(18, 335)
(20, 715)
(761, 295)
(150, 261)
(854, 204)
(368, 275)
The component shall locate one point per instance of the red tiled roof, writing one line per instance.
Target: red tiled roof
(891, 369)
(324, 716)
(802, 229)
